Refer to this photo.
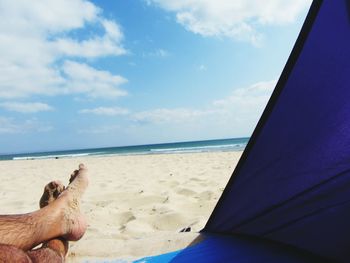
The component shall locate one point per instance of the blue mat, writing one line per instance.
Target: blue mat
(238, 249)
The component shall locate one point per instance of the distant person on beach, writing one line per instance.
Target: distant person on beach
(56, 222)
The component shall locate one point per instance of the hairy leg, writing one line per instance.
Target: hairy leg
(61, 218)
(28, 230)
(12, 254)
(56, 249)
(53, 251)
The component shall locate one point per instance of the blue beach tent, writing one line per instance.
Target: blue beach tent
(288, 199)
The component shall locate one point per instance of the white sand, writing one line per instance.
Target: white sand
(135, 205)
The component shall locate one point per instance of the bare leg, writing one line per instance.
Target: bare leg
(61, 218)
(56, 249)
(53, 251)
(12, 254)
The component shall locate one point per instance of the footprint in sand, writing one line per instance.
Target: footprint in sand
(104, 203)
(196, 179)
(160, 210)
(206, 195)
(169, 183)
(125, 217)
(103, 185)
(169, 222)
(138, 227)
(185, 192)
(145, 200)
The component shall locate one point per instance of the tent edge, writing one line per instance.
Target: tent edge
(293, 58)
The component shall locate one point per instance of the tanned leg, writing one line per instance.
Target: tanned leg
(55, 250)
(56, 254)
(61, 218)
(12, 254)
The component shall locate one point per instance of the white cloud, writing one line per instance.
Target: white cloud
(244, 102)
(109, 111)
(235, 115)
(169, 115)
(106, 129)
(81, 78)
(25, 107)
(35, 36)
(46, 16)
(238, 19)
(252, 97)
(161, 53)
(244, 106)
(9, 126)
(97, 46)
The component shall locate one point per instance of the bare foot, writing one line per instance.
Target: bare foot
(51, 191)
(57, 245)
(69, 201)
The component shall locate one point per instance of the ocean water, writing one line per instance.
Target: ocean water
(235, 144)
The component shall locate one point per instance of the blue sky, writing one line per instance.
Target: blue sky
(80, 74)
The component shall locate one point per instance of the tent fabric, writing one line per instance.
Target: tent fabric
(238, 249)
(292, 184)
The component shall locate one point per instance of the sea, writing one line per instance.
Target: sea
(234, 144)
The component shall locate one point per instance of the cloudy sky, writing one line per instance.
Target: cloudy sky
(80, 74)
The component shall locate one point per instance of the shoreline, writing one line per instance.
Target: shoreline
(130, 198)
(29, 158)
(233, 144)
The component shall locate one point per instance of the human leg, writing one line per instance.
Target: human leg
(61, 218)
(54, 250)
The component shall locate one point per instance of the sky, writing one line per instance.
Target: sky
(83, 74)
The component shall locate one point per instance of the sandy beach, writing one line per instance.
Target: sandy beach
(135, 205)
